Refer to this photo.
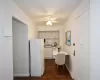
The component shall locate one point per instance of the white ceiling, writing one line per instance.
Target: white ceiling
(41, 10)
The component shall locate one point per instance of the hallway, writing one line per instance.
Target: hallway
(51, 73)
(45, 29)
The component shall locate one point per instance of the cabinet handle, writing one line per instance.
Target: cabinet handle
(74, 53)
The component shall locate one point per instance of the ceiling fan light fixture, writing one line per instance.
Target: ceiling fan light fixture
(49, 23)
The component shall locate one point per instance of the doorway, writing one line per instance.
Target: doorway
(20, 48)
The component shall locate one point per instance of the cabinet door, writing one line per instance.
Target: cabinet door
(48, 53)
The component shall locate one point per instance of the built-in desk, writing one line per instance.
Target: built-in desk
(55, 52)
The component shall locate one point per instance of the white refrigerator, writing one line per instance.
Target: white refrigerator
(37, 57)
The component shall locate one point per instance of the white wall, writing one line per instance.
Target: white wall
(6, 56)
(6, 61)
(59, 28)
(78, 23)
(20, 49)
(19, 14)
(95, 39)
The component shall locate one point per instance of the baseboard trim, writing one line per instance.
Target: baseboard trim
(21, 75)
(48, 58)
(69, 71)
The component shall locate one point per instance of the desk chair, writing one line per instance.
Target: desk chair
(60, 59)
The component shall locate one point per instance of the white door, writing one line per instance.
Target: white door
(20, 48)
(84, 46)
(80, 32)
(75, 37)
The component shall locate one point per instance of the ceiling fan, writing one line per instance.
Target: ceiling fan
(47, 19)
(50, 20)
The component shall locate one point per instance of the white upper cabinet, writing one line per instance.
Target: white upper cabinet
(48, 34)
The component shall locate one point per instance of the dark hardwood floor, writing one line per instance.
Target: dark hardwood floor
(51, 73)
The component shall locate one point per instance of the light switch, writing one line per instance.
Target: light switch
(7, 32)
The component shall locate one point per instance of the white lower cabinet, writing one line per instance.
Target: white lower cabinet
(48, 53)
